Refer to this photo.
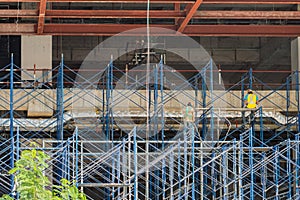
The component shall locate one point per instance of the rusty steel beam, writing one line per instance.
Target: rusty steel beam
(243, 30)
(166, 14)
(176, 9)
(220, 14)
(251, 2)
(192, 30)
(14, 13)
(113, 14)
(41, 21)
(17, 29)
(191, 12)
(105, 1)
(169, 1)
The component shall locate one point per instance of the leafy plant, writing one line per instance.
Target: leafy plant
(32, 184)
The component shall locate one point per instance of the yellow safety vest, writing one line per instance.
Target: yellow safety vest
(252, 99)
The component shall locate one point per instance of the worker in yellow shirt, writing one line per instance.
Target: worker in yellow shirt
(251, 100)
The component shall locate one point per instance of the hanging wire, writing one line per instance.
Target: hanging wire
(147, 97)
(18, 12)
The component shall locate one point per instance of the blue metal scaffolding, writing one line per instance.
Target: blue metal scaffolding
(96, 134)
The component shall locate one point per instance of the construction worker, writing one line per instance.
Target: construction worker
(250, 100)
(189, 115)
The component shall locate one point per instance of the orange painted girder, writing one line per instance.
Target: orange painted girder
(166, 14)
(169, 1)
(192, 30)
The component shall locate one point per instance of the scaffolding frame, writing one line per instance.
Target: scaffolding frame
(201, 162)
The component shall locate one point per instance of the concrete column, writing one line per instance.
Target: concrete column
(295, 54)
(36, 53)
(295, 57)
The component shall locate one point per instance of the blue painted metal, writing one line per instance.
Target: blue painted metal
(60, 119)
(264, 176)
(76, 157)
(241, 161)
(11, 119)
(203, 76)
(234, 170)
(224, 173)
(211, 94)
(60, 101)
(276, 168)
(250, 79)
(297, 170)
(171, 176)
(155, 125)
(185, 166)
(289, 170)
(179, 168)
(162, 102)
(261, 126)
(193, 162)
(135, 165)
(251, 163)
(298, 100)
(214, 176)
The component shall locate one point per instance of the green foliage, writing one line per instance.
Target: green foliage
(6, 197)
(32, 184)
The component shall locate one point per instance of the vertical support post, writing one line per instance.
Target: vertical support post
(155, 124)
(60, 101)
(214, 177)
(193, 163)
(124, 168)
(81, 164)
(263, 176)
(241, 192)
(261, 125)
(119, 170)
(201, 172)
(164, 179)
(162, 102)
(129, 165)
(276, 165)
(289, 169)
(212, 101)
(185, 168)
(251, 79)
(234, 163)
(161, 67)
(59, 117)
(297, 100)
(135, 165)
(171, 177)
(251, 164)
(224, 173)
(76, 156)
(18, 144)
(179, 169)
(109, 86)
(11, 119)
(297, 173)
(203, 74)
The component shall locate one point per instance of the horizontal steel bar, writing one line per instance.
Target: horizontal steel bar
(191, 30)
(165, 14)
(170, 1)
